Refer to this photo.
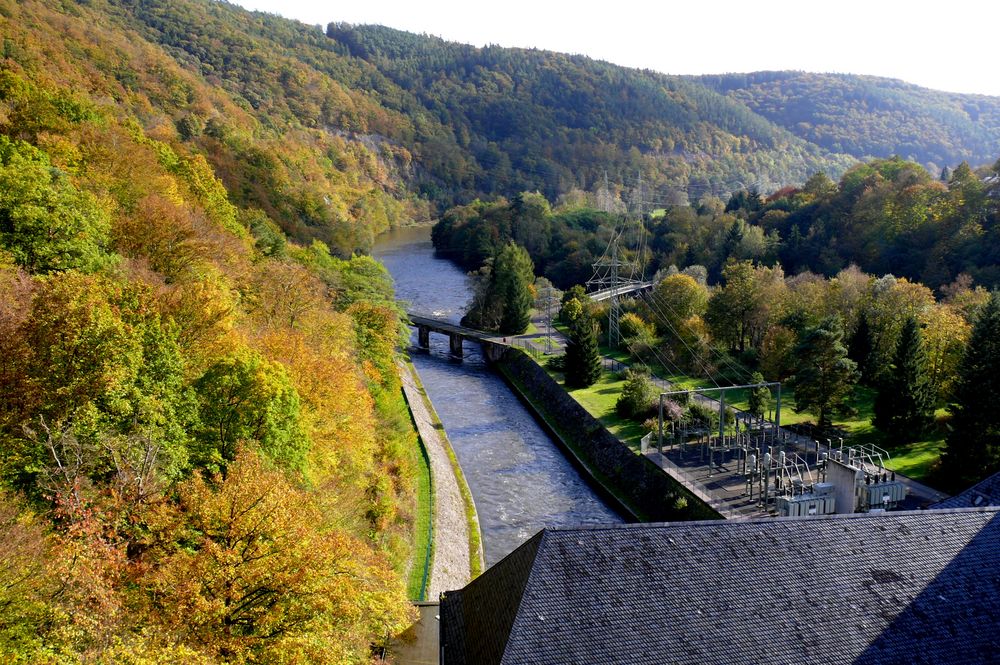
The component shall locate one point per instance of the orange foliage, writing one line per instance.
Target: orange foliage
(246, 569)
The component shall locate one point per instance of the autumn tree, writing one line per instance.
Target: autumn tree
(678, 298)
(248, 568)
(945, 333)
(46, 223)
(825, 375)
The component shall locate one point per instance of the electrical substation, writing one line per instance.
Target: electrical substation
(757, 468)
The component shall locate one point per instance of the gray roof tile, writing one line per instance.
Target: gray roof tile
(921, 587)
(982, 494)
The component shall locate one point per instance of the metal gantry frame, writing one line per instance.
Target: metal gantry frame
(775, 425)
(722, 403)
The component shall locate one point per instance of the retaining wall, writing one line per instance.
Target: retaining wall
(647, 491)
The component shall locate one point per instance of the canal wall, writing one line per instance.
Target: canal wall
(638, 486)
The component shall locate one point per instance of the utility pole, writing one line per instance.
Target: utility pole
(547, 296)
(610, 270)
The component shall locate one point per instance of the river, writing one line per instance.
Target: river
(519, 478)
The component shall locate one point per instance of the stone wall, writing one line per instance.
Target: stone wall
(647, 491)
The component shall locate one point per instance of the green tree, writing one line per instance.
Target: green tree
(825, 374)
(638, 394)
(860, 350)
(905, 403)
(759, 397)
(739, 312)
(679, 297)
(247, 398)
(513, 274)
(46, 223)
(503, 292)
(583, 357)
(973, 446)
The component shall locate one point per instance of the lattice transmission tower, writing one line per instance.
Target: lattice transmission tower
(615, 271)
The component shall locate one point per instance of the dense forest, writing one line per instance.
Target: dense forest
(867, 116)
(885, 216)
(338, 133)
(204, 452)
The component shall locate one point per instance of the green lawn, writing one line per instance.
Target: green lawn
(599, 400)
(423, 545)
(917, 459)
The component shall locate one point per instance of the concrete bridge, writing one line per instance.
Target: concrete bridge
(493, 346)
(625, 289)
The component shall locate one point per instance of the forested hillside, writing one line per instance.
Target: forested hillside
(867, 116)
(204, 452)
(537, 120)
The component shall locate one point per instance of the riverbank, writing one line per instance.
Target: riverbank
(457, 544)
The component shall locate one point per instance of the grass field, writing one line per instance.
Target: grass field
(917, 459)
(599, 400)
(423, 546)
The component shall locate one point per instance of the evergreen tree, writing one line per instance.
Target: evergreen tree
(503, 293)
(973, 447)
(514, 273)
(759, 396)
(905, 403)
(860, 350)
(583, 358)
(826, 375)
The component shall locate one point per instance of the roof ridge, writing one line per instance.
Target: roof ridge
(896, 514)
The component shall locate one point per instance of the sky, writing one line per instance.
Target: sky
(938, 45)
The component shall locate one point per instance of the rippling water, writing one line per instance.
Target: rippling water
(519, 478)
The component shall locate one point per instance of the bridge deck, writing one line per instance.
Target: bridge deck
(448, 328)
(604, 294)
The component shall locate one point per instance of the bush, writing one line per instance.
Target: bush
(556, 363)
(638, 397)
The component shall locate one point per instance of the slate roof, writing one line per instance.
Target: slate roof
(982, 494)
(903, 587)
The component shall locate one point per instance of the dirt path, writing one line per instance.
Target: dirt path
(450, 568)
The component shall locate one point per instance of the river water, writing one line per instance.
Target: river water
(519, 478)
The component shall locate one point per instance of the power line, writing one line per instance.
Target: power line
(740, 371)
(696, 356)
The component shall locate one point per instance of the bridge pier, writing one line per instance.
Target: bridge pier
(423, 337)
(455, 342)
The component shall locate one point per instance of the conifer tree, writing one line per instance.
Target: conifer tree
(514, 274)
(826, 375)
(759, 396)
(905, 403)
(973, 446)
(583, 358)
(860, 350)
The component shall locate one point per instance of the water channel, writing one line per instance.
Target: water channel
(519, 478)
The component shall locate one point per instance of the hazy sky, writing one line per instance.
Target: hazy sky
(944, 45)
